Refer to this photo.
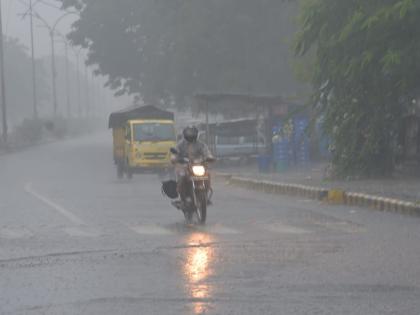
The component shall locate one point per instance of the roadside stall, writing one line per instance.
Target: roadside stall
(278, 126)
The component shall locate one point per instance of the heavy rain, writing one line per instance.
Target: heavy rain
(210, 157)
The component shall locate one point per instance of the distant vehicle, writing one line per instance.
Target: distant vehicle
(235, 146)
(230, 140)
(143, 137)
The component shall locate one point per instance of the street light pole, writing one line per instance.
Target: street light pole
(79, 104)
(54, 73)
(67, 73)
(87, 91)
(3, 87)
(93, 106)
(51, 30)
(66, 54)
(34, 92)
(67, 80)
(99, 97)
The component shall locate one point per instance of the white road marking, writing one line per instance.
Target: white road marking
(64, 212)
(13, 233)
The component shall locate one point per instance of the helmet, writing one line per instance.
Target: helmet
(190, 134)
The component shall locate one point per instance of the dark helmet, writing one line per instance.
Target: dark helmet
(190, 134)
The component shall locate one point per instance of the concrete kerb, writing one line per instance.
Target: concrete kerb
(321, 194)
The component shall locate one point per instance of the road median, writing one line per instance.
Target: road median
(330, 196)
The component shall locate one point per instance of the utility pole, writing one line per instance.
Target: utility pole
(34, 92)
(3, 85)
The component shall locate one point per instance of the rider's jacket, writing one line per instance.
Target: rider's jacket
(194, 150)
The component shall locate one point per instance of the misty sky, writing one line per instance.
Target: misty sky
(14, 26)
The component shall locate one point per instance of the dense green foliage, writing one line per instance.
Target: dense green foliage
(366, 73)
(168, 50)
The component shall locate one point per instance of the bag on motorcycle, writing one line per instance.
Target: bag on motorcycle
(169, 189)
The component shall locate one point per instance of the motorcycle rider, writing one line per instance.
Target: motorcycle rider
(191, 148)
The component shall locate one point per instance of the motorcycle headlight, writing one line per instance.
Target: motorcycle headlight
(199, 170)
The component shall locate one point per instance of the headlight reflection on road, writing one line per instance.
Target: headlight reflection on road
(197, 269)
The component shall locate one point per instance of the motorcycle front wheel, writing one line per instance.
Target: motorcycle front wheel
(202, 207)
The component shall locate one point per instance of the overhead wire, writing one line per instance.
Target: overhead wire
(28, 11)
(48, 4)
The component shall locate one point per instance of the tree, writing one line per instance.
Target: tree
(168, 50)
(365, 75)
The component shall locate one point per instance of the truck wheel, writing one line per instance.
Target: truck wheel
(128, 171)
(120, 171)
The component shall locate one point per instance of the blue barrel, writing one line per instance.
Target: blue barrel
(281, 155)
(264, 162)
(301, 141)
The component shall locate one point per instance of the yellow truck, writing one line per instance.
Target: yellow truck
(142, 138)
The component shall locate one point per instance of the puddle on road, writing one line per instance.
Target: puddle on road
(182, 228)
(216, 229)
(197, 269)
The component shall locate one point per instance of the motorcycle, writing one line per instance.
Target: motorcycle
(198, 192)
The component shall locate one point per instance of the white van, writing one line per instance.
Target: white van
(232, 147)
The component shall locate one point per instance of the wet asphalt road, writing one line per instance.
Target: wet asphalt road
(75, 240)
